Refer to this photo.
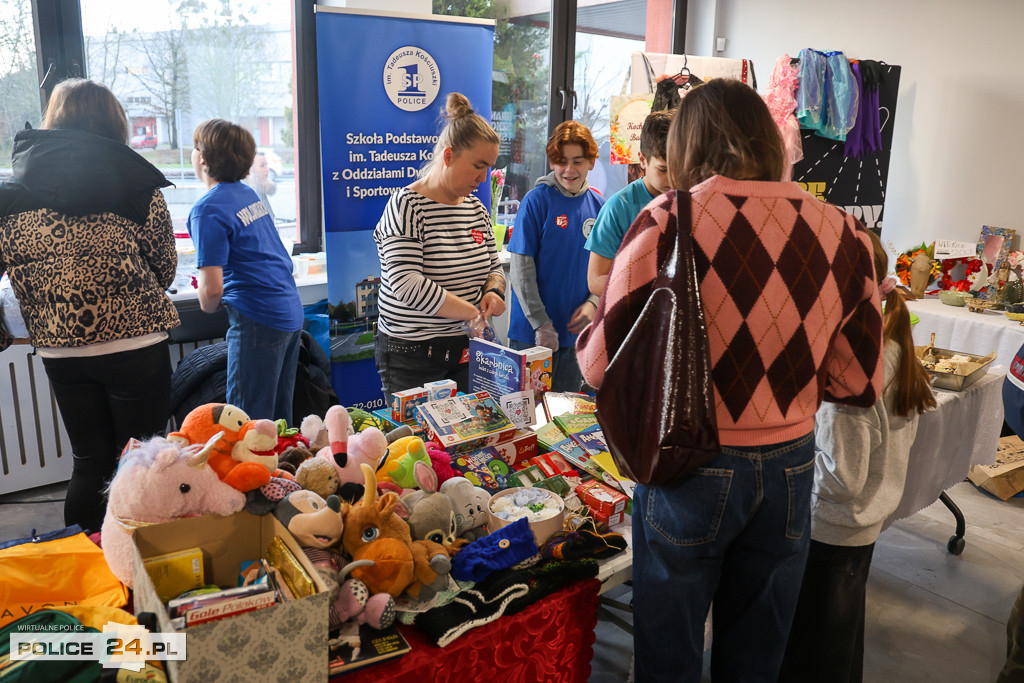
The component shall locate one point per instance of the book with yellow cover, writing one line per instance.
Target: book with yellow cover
(174, 573)
(299, 582)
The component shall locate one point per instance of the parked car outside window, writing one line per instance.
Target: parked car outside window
(143, 142)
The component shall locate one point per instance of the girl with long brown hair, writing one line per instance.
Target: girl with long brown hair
(860, 469)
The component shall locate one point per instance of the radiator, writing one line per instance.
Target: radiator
(34, 448)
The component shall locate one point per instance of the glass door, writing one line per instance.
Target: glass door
(607, 34)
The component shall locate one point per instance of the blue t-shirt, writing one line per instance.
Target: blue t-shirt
(231, 228)
(615, 218)
(553, 228)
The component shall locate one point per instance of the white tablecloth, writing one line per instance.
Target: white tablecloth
(961, 431)
(958, 329)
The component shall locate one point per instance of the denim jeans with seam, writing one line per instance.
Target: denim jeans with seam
(733, 534)
(261, 368)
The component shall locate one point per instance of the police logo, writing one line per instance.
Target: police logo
(411, 78)
(588, 225)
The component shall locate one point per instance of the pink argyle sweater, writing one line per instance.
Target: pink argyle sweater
(789, 298)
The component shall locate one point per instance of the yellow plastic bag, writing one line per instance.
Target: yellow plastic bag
(52, 570)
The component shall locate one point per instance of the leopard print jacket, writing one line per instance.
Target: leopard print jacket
(88, 279)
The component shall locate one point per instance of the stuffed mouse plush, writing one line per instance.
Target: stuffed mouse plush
(318, 526)
(470, 503)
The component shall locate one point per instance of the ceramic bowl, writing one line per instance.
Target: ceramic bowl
(952, 298)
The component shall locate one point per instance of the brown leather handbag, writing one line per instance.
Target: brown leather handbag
(656, 406)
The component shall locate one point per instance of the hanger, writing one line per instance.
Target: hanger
(684, 76)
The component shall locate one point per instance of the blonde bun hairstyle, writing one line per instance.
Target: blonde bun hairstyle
(463, 128)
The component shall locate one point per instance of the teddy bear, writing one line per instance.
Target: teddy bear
(470, 503)
(318, 475)
(318, 525)
(244, 458)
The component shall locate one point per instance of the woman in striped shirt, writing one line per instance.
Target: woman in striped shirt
(439, 265)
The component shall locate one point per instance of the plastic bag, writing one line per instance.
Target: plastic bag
(318, 324)
(842, 97)
(56, 568)
(12, 318)
(810, 93)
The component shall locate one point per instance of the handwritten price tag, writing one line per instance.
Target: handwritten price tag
(946, 249)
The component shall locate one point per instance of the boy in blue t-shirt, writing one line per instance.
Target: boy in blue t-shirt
(550, 301)
(244, 265)
(618, 214)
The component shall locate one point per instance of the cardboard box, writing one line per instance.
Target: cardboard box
(403, 403)
(601, 498)
(465, 423)
(286, 641)
(522, 446)
(384, 415)
(442, 388)
(1005, 478)
(500, 370)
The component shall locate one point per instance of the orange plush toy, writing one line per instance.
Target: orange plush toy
(244, 458)
(400, 564)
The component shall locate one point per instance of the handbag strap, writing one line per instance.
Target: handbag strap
(682, 251)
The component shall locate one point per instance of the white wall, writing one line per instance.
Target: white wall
(958, 145)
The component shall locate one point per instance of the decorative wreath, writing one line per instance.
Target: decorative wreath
(904, 260)
(946, 280)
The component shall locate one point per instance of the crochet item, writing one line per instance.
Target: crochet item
(584, 542)
(499, 550)
(505, 592)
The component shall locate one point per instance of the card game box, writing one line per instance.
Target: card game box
(466, 423)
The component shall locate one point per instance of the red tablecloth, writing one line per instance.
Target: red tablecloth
(551, 641)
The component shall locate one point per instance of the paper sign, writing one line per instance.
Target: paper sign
(945, 249)
(519, 408)
(448, 411)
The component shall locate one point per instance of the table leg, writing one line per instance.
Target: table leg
(956, 542)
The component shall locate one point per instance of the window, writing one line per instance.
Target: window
(19, 79)
(179, 63)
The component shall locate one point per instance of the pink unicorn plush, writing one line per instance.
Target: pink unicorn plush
(157, 482)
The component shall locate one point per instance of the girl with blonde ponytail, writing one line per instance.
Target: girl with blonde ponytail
(860, 469)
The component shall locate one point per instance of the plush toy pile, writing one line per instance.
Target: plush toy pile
(371, 541)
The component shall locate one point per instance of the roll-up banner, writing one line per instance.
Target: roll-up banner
(383, 79)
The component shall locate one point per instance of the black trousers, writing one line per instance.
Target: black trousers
(404, 364)
(104, 401)
(826, 642)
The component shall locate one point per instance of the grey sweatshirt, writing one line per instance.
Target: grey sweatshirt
(860, 464)
(523, 269)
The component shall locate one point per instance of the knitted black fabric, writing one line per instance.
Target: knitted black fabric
(504, 592)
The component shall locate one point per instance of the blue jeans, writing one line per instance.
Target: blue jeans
(733, 534)
(565, 371)
(261, 368)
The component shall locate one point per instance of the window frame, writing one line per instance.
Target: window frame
(60, 42)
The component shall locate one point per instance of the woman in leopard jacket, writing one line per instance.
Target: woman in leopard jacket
(86, 239)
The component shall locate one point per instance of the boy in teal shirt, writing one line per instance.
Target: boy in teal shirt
(621, 210)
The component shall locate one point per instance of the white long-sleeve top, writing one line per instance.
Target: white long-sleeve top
(860, 464)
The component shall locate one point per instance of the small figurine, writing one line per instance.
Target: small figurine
(920, 274)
